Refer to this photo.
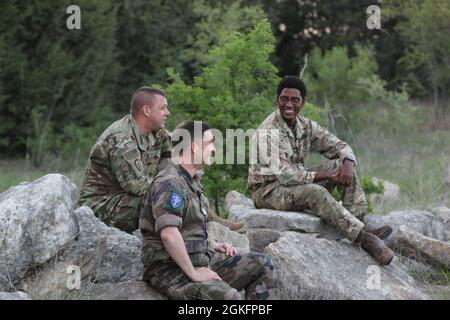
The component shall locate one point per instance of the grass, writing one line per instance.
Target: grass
(15, 171)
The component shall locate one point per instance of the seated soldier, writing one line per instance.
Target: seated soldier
(280, 181)
(125, 159)
(178, 259)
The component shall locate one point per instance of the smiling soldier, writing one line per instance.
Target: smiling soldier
(285, 184)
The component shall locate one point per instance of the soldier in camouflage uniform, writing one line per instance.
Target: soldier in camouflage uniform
(124, 160)
(178, 259)
(279, 180)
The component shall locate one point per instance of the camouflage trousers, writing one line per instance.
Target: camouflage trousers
(252, 272)
(121, 211)
(345, 218)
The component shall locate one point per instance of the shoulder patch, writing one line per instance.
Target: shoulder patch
(176, 200)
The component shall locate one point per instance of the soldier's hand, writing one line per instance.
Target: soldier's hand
(204, 274)
(346, 173)
(229, 250)
(334, 176)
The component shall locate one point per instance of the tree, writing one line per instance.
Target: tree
(236, 90)
(52, 76)
(426, 27)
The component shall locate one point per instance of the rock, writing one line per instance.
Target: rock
(443, 214)
(36, 221)
(259, 239)
(422, 248)
(420, 221)
(18, 295)
(310, 268)
(390, 195)
(240, 208)
(221, 234)
(130, 290)
(100, 253)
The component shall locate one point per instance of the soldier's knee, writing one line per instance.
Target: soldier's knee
(260, 261)
(315, 190)
(232, 294)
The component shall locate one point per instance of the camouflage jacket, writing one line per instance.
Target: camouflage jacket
(123, 161)
(282, 152)
(174, 199)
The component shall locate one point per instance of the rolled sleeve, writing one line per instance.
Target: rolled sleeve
(167, 220)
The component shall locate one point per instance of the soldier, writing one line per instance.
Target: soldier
(124, 160)
(279, 180)
(178, 259)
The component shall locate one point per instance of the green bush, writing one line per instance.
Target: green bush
(237, 89)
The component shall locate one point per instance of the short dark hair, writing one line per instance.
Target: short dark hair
(292, 82)
(189, 126)
(142, 96)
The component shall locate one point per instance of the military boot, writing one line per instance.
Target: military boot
(382, 232)
(375, 247)
(232, 225)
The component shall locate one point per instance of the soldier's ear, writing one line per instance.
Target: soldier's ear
(147, 110)
(194, 147)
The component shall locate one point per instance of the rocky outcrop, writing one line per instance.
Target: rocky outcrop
(50, 249)
(443, 214)
(415, 245)
(99, 254)
(423, 222)
(390, 194)
(240, 208)
(221, 234)
(310, 268)
(37, 220)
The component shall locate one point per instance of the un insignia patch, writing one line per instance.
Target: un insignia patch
(176, 200)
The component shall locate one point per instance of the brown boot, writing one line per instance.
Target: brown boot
(382, 232)
(233, 226)
(375, 247)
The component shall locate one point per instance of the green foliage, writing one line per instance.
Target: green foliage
(236, 90)
(333, 75)
(50, 75)
(424, 25)
(215, 22)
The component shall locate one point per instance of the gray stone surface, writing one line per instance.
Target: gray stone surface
(312, 268)
(37, 220)
(423, 222)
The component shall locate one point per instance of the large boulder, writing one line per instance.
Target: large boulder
(423, 222)
(310, 268)
(443, 214)
(240, 208)
(221, 234)
(37, 220)
(390, 195)
(259, 239)
(415, 245)
(99, 254)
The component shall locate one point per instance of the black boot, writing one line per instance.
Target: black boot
(375, 247)
(382, 232)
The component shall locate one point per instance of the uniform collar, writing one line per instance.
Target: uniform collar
(185, 173)
(142, 140)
